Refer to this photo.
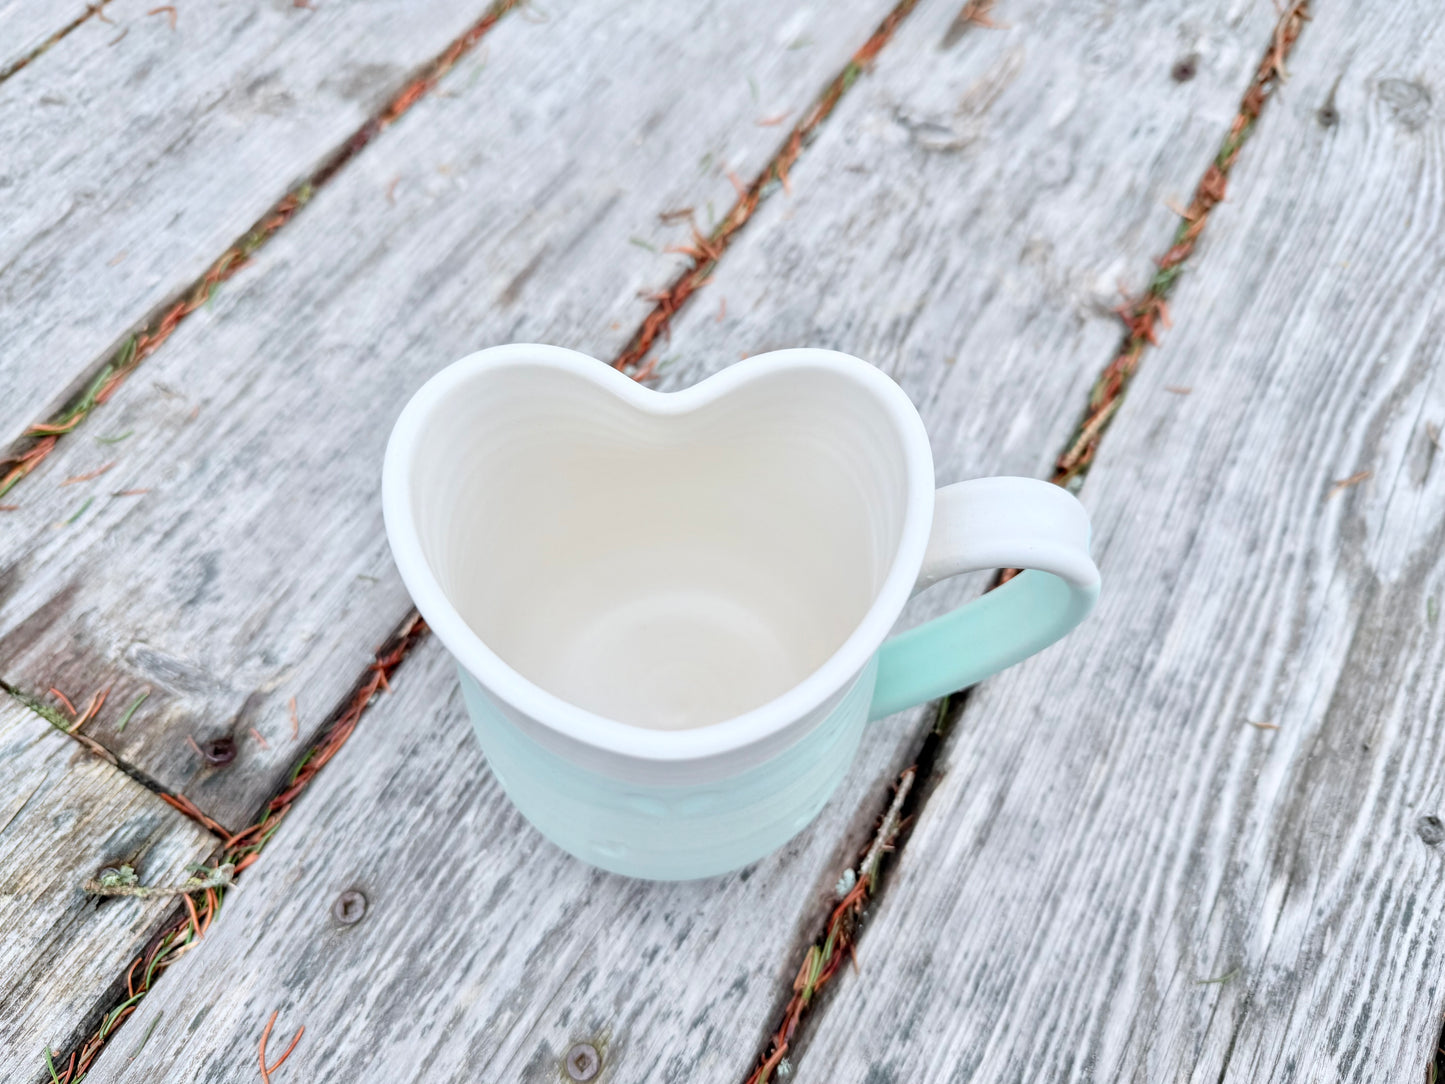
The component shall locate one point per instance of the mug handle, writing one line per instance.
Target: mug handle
(984, 524)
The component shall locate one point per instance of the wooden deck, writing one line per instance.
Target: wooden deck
(1199, 840)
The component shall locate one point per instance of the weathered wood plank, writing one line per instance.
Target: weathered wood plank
(1202, 841)
(969, 231)
(136, 152)
(64, 815)
(680, 981)
(26, 26)
(501, 207)
(483, 949)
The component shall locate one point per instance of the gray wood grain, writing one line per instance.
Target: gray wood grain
(64, 815)
(26, 25)
(486, 952)
(1121, 877)
(968, 228)
(502, 207)
(136, 152)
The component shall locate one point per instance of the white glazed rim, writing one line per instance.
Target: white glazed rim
(589, 728)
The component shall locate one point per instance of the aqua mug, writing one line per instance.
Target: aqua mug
(670, 611)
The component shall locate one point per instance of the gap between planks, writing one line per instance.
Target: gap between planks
(92, 10)
(1140, 317)
(182, 927)
(40, 439)
(760, 1015)
(56, 721)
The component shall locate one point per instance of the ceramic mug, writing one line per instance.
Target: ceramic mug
(670, 611)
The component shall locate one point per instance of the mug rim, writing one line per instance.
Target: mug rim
(598, 731)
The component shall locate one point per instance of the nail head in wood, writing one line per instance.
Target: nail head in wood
(582, 1061)
(349, 907)
(219, 751)
(1431, 829)
(1184, 69)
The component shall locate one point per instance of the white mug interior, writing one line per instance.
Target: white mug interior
(668, 565)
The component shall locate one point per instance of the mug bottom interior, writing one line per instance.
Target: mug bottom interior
(671, 660)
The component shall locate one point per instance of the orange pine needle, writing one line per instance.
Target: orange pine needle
(87, 477)
(266, 1071)
(64, 700)
(195, 919)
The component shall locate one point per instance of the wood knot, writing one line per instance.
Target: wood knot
(1408, 102)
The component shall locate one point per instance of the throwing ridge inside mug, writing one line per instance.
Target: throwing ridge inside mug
(670, 611)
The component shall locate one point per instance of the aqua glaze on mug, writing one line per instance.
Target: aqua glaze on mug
(670, 611)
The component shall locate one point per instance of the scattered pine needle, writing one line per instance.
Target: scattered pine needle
(125, 719)
(191, 908)
(64, 700)
(80, 511)
(130, 493)
(166, 10)
(1144, 314)
(772, 122)
(190, 809)
(1177, 390)
(140, 346)
(1182, 212)
(633, 360)
(92, 709)
(87, 477)
(1262, 726)
(1345, 483)
(266, 1070)
(262, 742)
(295, 719)
(822, 960)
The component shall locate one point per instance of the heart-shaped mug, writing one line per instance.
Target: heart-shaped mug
(670, 611)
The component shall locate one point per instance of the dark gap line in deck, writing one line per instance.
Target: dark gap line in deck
(704, 252)
(92, 10)
(240, 849)
(40, 439)
(834, 940)
(58, 722)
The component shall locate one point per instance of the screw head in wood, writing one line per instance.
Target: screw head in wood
(582, 1061)
(349, 907)
(1431, 829)
(219, 751)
